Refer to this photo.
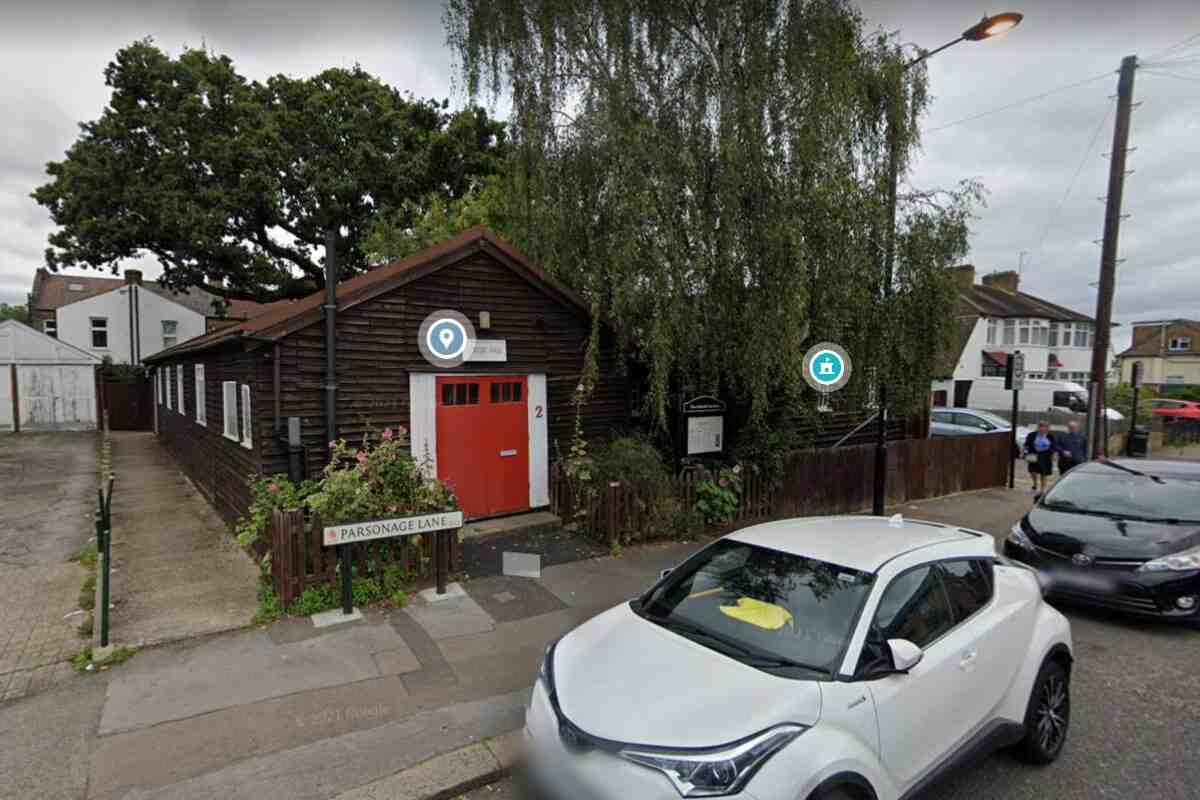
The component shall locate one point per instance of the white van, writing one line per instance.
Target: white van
(1036, 397)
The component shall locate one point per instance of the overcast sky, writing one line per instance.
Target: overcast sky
(53, 55)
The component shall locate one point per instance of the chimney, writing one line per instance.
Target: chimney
(133, 276)
(964, 276)
(1006, 281)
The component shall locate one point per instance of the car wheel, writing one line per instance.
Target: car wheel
(1048, 715)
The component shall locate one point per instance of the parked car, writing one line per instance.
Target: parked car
(1176, 409)
(818, 659)
(1123, 534)
(967, 421)
(1037, 396)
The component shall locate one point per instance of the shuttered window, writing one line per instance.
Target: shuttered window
(201, 411)
(179, 381)
(229, 406)
(247, 424)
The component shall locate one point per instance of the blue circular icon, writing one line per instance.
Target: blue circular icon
(446, 338)
(827, 367)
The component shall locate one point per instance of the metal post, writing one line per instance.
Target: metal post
(879, 489)
(441, 555)
(1132, 421)
(331, 236)
(104, 547)
(1012, 470)
(1108, 255)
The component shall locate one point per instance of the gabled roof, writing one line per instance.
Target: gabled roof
(289, 316)
(989, 301)
(54, 290)
(21, 344)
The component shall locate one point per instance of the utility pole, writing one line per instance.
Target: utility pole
(1108, 254)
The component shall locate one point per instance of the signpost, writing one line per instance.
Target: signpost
(1136, 379)
(439, 523)
(1014, 381)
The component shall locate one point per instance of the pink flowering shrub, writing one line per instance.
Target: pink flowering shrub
(268, 492)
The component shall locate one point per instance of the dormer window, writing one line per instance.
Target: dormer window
(1180, 344)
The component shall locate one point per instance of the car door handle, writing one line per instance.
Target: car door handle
(967, 663)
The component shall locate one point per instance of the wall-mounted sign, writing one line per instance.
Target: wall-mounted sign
(705, 434)
(385, 528)
(704, 404)
(488, 350)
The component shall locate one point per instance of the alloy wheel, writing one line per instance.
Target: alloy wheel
(1052, 713)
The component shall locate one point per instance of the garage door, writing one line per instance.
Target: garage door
(483, 442)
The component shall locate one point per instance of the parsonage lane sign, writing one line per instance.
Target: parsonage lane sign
(385, 528)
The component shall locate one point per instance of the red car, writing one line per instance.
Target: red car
(1176, 409)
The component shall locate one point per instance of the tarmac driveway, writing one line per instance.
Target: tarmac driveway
(48, 485)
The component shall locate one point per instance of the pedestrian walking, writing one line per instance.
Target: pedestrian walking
(1039, 452)
(1072, 448)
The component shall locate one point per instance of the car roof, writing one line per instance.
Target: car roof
(861, 542)
(1167, 468)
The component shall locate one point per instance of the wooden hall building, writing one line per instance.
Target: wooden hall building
(489, 426)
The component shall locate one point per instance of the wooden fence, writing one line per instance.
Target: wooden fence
(299, 558)
(815, 482)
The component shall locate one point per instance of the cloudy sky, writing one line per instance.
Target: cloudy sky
(1042, 161)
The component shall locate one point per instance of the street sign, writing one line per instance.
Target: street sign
(1014, 372)
(1136, 376)
(386, 528)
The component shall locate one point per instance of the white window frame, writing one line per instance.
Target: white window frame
(94, 330)
(201, 397)
(1023, 334)
(991, 331)
(229, 408)
(1010, 332)
(166, 374)
(247, 439)
(170, 340)
(179, 382)
(50, 327)
(1052, 336)
(1179, 344)
(1081, 334)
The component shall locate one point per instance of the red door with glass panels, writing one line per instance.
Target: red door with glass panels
(483, 442)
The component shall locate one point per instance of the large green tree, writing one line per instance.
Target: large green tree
(713, 175)
(218, 176)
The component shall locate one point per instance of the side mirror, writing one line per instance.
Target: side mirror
(905, 654)
(1037, 498)
(665, 572)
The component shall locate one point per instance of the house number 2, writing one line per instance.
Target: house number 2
(537, 411)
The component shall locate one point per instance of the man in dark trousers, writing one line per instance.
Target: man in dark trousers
(1072, 448)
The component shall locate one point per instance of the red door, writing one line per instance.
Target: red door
(483, 442)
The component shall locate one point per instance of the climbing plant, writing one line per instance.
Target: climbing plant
(712, 175)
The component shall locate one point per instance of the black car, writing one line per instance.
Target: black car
(1122, 534)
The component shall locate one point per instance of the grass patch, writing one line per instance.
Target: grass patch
(399, 598)
(394, 588)
(87, 556)
(83, 659)
(269, 607)
(87, 593)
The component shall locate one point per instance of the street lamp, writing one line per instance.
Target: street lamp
(987, 28)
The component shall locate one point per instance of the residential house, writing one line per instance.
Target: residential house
(995, 318)
(127, 319)
(1169, 351)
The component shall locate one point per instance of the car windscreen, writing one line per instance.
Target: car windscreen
(780, 612)
(1112, 490)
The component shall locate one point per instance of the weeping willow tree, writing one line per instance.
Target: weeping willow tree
(712, 174)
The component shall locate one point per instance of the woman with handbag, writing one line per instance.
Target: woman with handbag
(1039, 452)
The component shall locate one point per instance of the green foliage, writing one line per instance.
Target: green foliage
(220, 176)
(668, 517)
(365, 591)
(401, 232)
(19, 313)
(715, 175)
(266, 494)
(395, 578)
(628, 458)
(1121, 398)
(765, 447)
(375, 481)
(87, 593)
(316, 599)
(87, 626)
(87, 556)
(84, 659)
(399, 598)
(717, 495)
(269, 606)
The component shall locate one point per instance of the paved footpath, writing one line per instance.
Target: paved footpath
(48, 483)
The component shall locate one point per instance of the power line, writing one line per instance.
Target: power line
(1193, 38)
(1190, 79)
(1087, 153)
(1018, 103)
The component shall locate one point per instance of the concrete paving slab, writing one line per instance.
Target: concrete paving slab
(524, 565)
(509, 637)
(322, 769)
(173, 683)
(397, 662)
(507, 598)
(456, 771)
(459, 616)
(335, 617)
(431, 595)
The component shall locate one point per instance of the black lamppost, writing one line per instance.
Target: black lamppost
(988, 27)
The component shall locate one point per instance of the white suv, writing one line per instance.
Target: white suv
(820, 659)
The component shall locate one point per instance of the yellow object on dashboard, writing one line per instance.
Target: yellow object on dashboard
(767, 616)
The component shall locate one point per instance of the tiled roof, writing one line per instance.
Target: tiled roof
(55, 291)
(285, 317)
(989, 301)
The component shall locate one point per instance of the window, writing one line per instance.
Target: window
(1053, 336)
(1180, 344)
(991, 331)
(972, 421)
(940, 397)
(1175, 379)
(1081, 334)
(991, 369)
(460, 394)
(100, 333)
(170, 331)
(50, 327)
(506, 392)
(1039, 333)
(944, 417)
(968, 584)
(229, 409)
(201, 411)
(914, 607)
(1010, 331)
(247, 420)
(166, 380)
(179, 381)
(1024, 337)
